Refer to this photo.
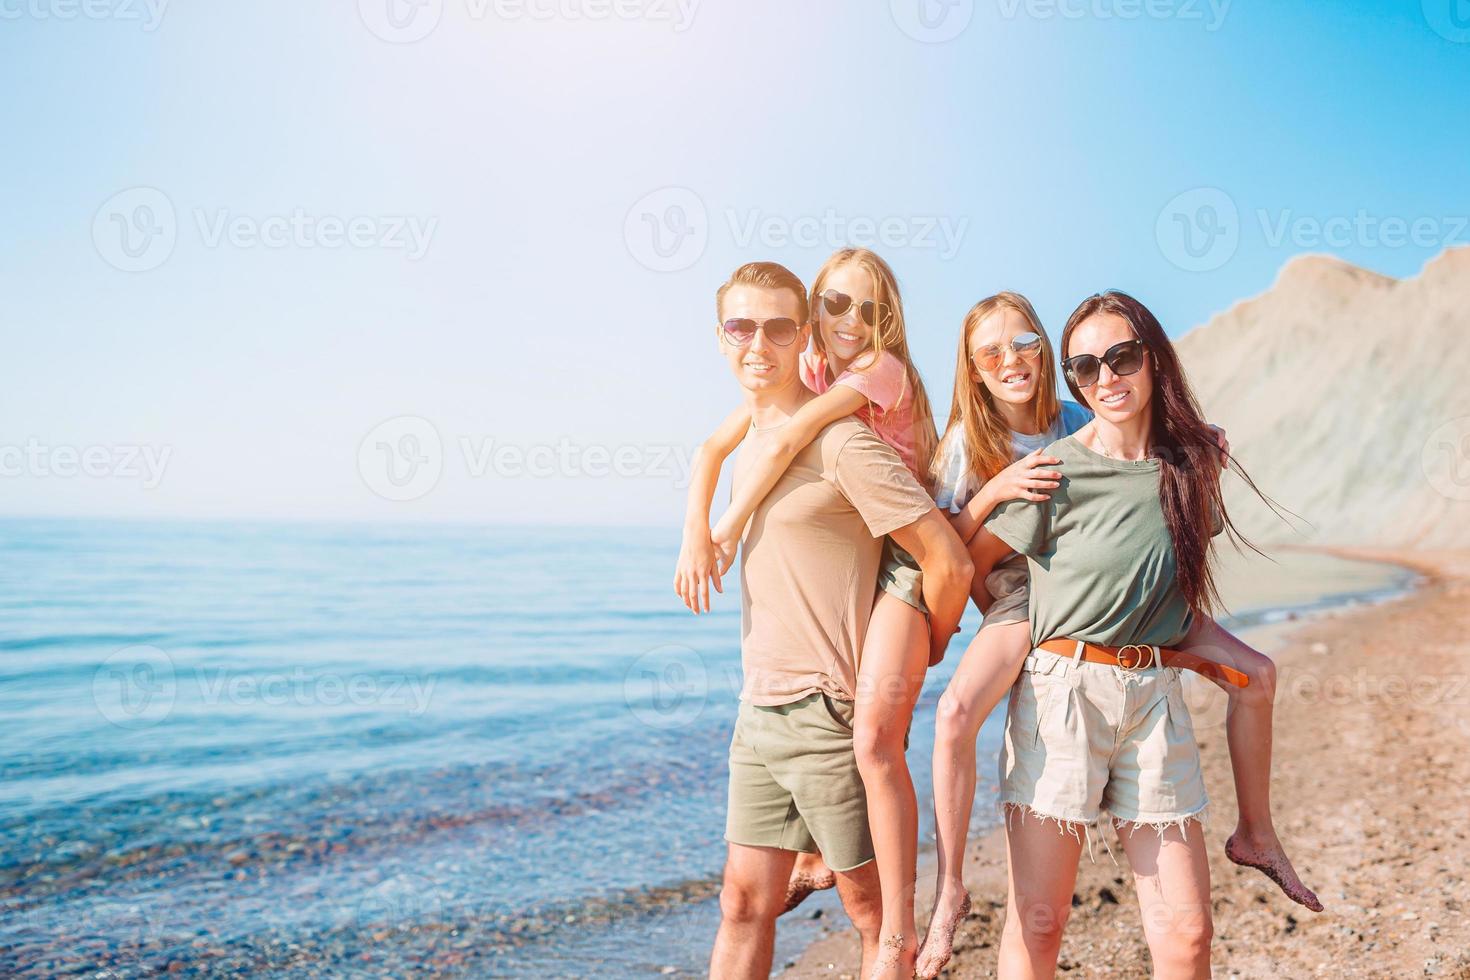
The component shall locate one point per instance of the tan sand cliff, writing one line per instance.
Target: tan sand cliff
(1346, 395)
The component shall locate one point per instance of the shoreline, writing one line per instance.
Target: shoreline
(1258, 931)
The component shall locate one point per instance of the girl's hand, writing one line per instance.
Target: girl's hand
(698, 565)
(1028, 478)
(725, 548)
(1222, 443)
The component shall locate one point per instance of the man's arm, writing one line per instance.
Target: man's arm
(947, 575)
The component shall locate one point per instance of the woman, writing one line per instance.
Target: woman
(859, 365)
(1120, 579)
(1005, 414)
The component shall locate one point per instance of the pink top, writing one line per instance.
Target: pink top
(890, 410)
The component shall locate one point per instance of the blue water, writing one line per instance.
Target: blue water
(311, 750)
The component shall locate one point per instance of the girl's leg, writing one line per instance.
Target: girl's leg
(1248, 726)
(1171, 871)
(809, 874)
(895, 658)
(985, 673)
(1043, 860)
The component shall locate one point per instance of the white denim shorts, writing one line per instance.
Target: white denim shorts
(1083, 738)
(1009, 584)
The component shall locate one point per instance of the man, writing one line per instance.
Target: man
(809, 570)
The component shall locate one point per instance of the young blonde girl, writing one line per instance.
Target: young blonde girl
(1005, 411)
(859, 365)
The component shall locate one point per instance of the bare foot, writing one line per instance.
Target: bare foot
(895, 957)
(1270, 859)
(803, 883)
(939, 940)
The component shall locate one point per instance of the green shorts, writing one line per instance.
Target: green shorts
(794, 781)
(899, 575)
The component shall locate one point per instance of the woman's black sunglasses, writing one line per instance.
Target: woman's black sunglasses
(1122, 359)
(837, 304)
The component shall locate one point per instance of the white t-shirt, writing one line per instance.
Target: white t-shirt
(957, 483)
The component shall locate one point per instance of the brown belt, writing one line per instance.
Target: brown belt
(1136, 656)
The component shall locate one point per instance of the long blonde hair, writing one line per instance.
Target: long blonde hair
(986, 433)
(888, 335)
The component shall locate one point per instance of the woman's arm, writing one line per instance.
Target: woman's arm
(698, 562)
(775, 454)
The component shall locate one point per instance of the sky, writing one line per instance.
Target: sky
(455, 260)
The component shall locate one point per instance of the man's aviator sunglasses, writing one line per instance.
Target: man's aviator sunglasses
(779, 330)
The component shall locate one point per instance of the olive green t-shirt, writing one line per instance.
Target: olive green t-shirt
(1099, 552)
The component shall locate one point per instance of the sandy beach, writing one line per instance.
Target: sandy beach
(1371, 796)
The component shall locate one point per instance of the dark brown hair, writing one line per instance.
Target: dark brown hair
(1189, 477)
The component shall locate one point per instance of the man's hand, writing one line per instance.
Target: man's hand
(699, 564)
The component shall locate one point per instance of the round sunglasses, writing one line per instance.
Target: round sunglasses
(836, 304)
(1122, 359)
(779, 330)
(1024, 345)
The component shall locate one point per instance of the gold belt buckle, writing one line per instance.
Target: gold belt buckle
(1144, 654)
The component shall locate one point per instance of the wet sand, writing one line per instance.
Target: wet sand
(1371, 795)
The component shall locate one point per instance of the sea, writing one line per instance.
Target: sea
(302, 750)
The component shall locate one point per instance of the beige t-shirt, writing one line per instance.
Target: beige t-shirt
(809, 562)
